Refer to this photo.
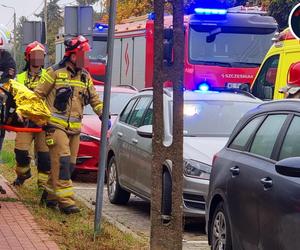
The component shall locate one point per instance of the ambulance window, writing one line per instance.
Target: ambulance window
(264, 85)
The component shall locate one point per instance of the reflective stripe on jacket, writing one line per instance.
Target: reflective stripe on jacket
(83, 93)
(30, 82)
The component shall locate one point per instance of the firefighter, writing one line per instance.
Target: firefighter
(67, 88)
(292, 89)
(8, 71)
(34, 57)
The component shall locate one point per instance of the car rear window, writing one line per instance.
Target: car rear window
(244, 135)
(266, 136)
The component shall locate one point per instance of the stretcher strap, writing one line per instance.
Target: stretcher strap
(20, 129)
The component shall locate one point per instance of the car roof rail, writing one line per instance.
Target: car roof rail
(166, 90)
(234, 91)
(127, 86)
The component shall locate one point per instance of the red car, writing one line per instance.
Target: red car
(88, 154)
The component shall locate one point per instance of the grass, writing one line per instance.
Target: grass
(69, 232)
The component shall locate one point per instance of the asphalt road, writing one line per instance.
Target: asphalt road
(135, 216)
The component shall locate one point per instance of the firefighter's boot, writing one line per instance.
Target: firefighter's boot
(48, 203)
(70, 210)
(19, 181)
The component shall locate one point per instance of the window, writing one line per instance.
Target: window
(138, 112)
(266, 136)
(127, 110)
(148, 119)
(291, 145)
(263, 87)
(242, 138)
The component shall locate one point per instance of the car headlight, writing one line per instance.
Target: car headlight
(196, 169)
(88, 138)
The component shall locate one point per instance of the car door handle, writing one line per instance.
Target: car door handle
(235, 171)
(120, 134)
(135, 141)
(267, 182)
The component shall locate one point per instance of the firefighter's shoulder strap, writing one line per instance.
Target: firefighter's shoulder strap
(57, 66)
(85, 78)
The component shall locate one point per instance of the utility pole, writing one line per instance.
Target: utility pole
(15, 35)
(166, 224)
(46, 21)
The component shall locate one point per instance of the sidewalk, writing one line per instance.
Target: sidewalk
(18, 230)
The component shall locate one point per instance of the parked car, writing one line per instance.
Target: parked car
(254, 194)
(88, 154)
(209, 118)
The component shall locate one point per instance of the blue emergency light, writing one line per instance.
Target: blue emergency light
(100, 27)
(203, 87)
(204, 11)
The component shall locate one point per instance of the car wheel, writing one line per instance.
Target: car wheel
(220, 229)
(116, 194)
(167, 194)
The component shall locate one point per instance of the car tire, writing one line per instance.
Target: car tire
(116, 194)
(167, 194)
(220, 232)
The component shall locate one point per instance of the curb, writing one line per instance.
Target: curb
(111, 220)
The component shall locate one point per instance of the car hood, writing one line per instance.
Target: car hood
(91, 125)
(202, 149)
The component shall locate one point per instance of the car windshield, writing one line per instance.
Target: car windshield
(213, 118)
(117, 103)
(98, 52)
(229, 47)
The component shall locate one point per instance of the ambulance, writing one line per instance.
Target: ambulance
(273, 73)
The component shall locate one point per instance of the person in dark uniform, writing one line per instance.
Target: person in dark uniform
(7, 71)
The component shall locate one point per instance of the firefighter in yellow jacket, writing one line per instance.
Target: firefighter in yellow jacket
(67, 88)
(34, 57)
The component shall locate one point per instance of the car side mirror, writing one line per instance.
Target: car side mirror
(268, 92)
(289, 167)
(244, 87)
(145, 131)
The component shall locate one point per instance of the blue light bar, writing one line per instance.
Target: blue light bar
(151, 16)
(202, 11)
(100, 27)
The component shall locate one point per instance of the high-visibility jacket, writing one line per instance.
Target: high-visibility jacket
(30, 81)
(83, 93)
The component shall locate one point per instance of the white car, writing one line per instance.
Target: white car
(209, 118)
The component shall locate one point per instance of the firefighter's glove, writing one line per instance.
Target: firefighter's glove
(109, 121)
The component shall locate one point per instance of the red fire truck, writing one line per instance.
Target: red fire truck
(96, 63)
(223, 48)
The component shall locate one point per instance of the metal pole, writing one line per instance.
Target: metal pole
(105, 118)
(15, 35)
(46, 20)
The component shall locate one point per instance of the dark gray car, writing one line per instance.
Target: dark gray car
(254, 194)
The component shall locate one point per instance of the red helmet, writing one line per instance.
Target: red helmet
(34, 46)
(294, 75)
(79, 43)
